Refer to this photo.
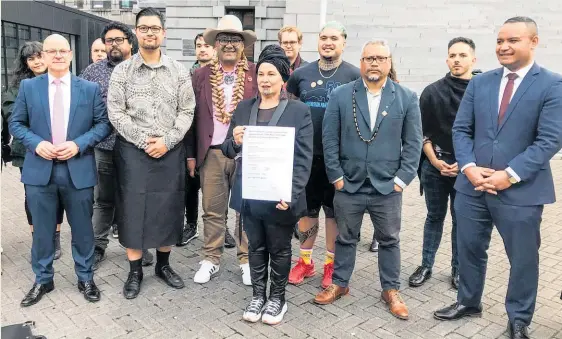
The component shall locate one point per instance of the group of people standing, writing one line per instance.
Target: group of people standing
(161, 132)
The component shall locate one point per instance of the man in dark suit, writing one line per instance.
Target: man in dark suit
(219, 87)
(59, 118)
(508, 127)
(372, 141)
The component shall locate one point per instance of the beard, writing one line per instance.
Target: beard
(373, 78)
(115, 58)
(149, 47)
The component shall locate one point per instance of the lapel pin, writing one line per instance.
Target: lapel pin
(384, 113)
(319, 82)
(313, 84)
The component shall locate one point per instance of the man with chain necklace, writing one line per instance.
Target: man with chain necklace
(372, 141)
(313, 84)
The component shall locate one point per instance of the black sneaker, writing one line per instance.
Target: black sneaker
(115, 232)
(275, 309)
(147, 258)
(254, 309)
(190, 232)
(229, 241)
(99, 256)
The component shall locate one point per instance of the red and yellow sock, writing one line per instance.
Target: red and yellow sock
(306, 255)
(329, 258)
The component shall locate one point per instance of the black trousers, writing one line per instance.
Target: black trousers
(192, 187)
(268, 241)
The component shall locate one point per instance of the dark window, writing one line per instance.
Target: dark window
(127, 4)
(247, 16)
(13, 37)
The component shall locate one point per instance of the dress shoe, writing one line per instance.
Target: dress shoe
(36, 293)
(99, 256)
(374, 246)
(147, 258)
(170, 277)
(330, 294)
(58, 251)
(132, 286)
(455, 278)
(420, 276)
(457, 311)
(518, 331)
(396, 305)
(188, 233)
(90, 290)
(229, 241)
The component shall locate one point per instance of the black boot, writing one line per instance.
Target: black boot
(258, 258)
(58, 251)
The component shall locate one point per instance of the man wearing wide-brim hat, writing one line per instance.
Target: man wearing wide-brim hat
(219, 87)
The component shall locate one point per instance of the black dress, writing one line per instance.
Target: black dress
(149, 206)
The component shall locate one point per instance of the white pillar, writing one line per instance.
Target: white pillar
(323, 8)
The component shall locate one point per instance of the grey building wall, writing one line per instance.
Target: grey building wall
(419, 31)
(185, 19)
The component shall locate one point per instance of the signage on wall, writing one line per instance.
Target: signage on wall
(188, 48)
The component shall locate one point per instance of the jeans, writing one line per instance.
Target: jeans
(437, 189)
(386, 216)
(104, 198)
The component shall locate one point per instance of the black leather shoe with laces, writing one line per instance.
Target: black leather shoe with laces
(90, 290)
(170, 277)
(518, 331)
(132, 286)
(36, 293)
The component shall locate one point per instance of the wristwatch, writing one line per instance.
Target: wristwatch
(512, 179)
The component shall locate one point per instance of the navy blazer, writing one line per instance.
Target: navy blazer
(297, 115)
(395, 152)
(31, 123)
(527, 138)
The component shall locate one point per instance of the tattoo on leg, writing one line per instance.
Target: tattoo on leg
(304, 236)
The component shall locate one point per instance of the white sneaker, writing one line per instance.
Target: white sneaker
(246, 277)
(206, 272)
(275, 309)
(253, 311)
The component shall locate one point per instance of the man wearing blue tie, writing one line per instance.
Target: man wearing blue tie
(508, 127)
(59, 118)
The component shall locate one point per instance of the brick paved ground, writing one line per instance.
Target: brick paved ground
(215, 309)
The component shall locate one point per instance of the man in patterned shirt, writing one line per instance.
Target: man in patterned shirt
(119, 43)
(150, 104)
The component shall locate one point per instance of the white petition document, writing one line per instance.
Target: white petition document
(267, 163)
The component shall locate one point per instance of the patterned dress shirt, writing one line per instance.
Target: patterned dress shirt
(100, 72)
(146, 101)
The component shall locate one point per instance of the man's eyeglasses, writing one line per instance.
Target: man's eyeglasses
(232, 41)
(380, 59)
(154, 29)
(118, 41)
(53, 52)
(289, 43)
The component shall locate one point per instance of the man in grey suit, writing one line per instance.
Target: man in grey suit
(372, 141)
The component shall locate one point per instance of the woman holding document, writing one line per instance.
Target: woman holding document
(269, 224)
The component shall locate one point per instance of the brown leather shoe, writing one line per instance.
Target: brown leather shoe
(330, 294)
(395, 304)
